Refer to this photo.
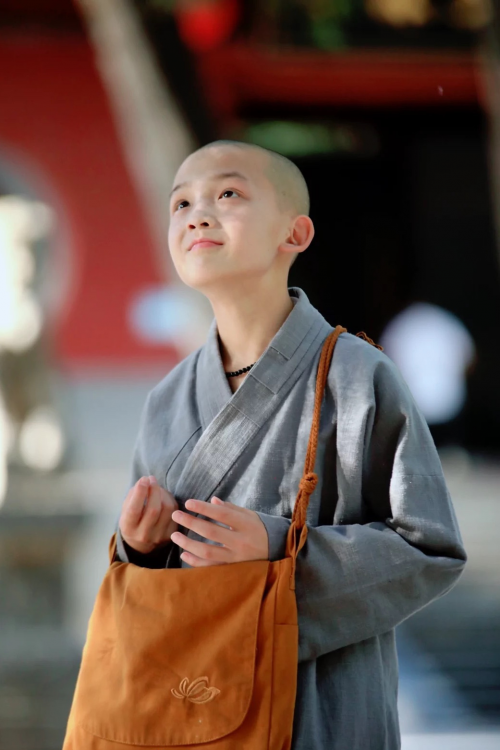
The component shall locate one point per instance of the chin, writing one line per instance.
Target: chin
(202, 280)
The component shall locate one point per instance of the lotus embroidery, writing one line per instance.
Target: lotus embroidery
(197, 692)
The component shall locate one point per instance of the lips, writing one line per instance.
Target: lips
(203, 242)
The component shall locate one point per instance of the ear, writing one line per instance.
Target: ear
(300, 235)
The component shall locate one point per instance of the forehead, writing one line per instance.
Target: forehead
(209, 163)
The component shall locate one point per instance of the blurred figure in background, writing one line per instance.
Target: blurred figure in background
(30, 431)
(434, 351)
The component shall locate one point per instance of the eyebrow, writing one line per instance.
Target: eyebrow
(220, 176)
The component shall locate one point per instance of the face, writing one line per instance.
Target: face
(225, 223)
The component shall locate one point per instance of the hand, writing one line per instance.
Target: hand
(146, 517)
(245, 539)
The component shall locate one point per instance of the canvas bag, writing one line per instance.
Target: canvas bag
(203, 658)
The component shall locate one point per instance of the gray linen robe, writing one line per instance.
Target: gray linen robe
(383, 538)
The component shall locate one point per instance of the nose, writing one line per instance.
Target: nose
(201, 218)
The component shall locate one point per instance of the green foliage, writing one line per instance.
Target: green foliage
(327, 19)
(299, 138)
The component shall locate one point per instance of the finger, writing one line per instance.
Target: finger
(136, 499)
(197, 562)
(218, 501)
(152, 511)
(153, 487)
(201, 549)
(227, 513)
(206, 529)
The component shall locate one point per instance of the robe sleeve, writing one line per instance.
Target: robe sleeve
(359, 580)
(124, 552)
(155, 559)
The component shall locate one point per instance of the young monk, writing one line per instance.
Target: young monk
(223, 439)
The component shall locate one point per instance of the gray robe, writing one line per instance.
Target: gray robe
(383, 537)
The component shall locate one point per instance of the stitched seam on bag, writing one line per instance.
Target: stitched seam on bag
(273, 670)
(123, 742)
(280, 575)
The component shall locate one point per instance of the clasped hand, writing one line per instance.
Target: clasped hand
(243, 535)
(150, 519)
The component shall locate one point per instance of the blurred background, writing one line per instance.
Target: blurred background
(391, 108)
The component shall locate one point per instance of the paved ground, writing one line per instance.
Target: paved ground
(477, 741)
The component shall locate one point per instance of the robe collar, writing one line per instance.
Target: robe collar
(289, 345)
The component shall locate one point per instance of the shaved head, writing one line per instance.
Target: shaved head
(288, 181)
(250, 204)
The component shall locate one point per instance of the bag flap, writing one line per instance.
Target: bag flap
(170, 653)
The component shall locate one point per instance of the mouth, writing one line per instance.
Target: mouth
(200, 244)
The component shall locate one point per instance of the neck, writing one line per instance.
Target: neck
(247, 324)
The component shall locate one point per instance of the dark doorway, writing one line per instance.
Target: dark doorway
(413, 221)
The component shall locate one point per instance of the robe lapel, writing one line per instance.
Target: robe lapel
(212, 389)
(231, 420)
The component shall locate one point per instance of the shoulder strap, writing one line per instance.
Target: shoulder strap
(362, 335)
(309, 478)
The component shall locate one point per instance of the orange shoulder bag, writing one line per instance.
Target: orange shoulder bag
(203, 658)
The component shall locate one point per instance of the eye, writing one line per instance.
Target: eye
(180, 204)
(224, 194)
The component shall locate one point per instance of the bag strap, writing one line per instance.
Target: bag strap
(297, 533)
(309, 477)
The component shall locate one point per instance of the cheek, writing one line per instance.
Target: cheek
(174, 234)
(249, 228)
(263, 234)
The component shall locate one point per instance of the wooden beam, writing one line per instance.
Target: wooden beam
(240, 75)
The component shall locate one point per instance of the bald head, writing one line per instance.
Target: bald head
(266, 207)
(288, 181)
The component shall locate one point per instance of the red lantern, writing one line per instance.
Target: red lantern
(206, 24)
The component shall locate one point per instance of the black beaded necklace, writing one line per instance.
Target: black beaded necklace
(245, 369)
(239, 372)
